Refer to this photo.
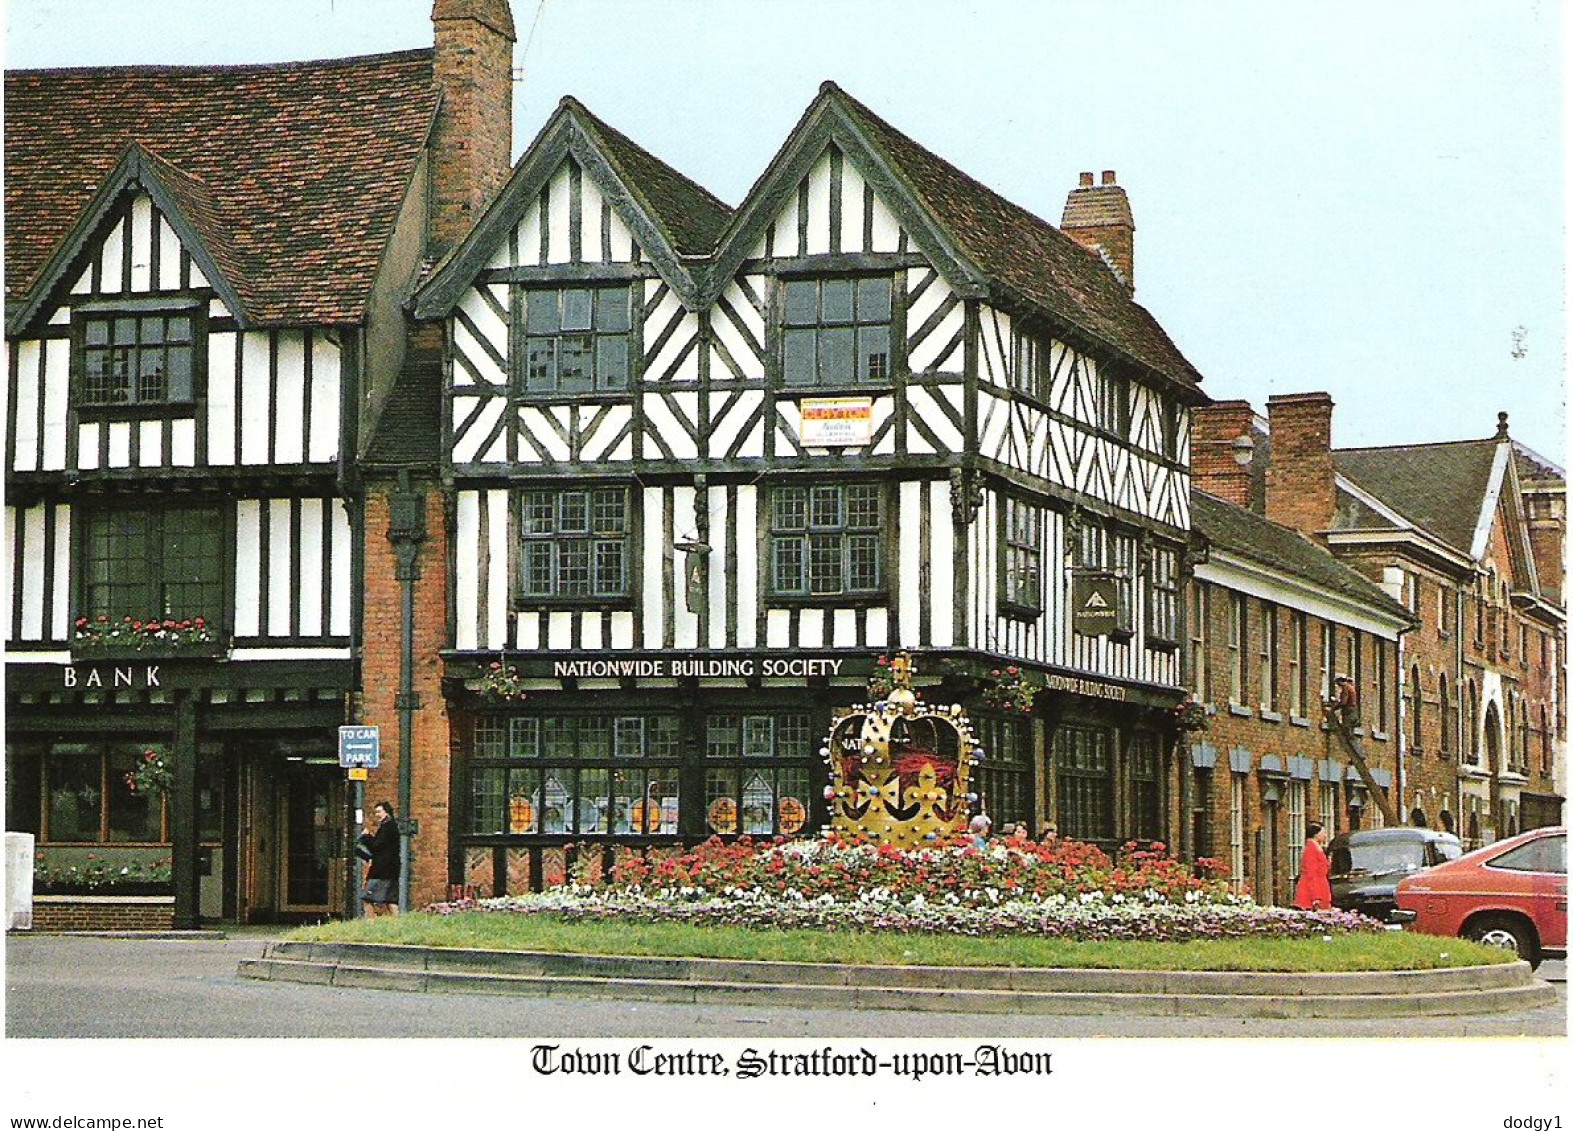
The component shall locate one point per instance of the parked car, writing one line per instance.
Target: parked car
(1367, 865)
(1512, 894)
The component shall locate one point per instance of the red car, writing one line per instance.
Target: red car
(1512, 894)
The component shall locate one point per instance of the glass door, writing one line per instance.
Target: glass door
(311, 837)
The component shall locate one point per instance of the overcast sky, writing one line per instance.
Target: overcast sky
(1362, 198)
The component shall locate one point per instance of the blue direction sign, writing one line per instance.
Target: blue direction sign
(359, 747)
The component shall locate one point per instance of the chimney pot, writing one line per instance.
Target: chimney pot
(1086, 180)
(1108, 176)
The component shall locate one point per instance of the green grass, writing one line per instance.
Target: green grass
(1389, 950)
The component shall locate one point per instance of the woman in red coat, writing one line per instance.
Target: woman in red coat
(1312, 892)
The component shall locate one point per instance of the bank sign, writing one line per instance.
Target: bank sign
(1094, 605)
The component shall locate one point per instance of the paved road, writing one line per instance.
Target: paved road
(68, 986)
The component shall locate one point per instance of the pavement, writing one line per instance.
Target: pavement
(87, 986)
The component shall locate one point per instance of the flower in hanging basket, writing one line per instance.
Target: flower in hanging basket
(1190, 715)
(152, 776)
(1010, 690)
(503, 681)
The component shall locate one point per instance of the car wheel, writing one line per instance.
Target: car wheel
(1507, 933)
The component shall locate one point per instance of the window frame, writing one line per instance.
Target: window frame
(1016, 553)
(1299, 660)
(1163, 595)
(1239, 660)
(524, 599)
(520, 375)
(195, 310)
(781, 327)
(210, 517)
(1267, 648)
(876, 533)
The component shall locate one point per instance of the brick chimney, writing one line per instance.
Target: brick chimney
(473, 140)
(1220, 454)
(1300, 490)
(1099, 218)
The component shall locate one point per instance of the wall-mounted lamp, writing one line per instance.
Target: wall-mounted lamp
(1243, 447)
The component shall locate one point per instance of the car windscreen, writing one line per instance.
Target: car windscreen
(1381, 857)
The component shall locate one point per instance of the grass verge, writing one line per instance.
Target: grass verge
(1388, 950)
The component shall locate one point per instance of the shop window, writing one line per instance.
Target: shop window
(582, 775)
(1003, 782)
(757, 773)
(1146, 801)
(81, 793)
(1084, 783)
(836, 332)
(574, 545)
(132, 360)
(1021, 590)
(827, 540)
(576, 340)
(148, 563)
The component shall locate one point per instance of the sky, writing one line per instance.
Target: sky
(1366, 199)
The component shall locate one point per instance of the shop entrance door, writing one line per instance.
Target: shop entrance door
(311, 858)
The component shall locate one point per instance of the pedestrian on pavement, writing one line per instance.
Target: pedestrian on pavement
(380, 845)
(1313, 892)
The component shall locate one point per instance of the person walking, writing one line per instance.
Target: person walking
(380, 844)
(1312, 892)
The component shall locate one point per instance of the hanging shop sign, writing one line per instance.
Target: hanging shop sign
(837, 422)
(1094, 604)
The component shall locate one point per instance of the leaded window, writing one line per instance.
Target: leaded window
(827, 540)
(757, 772)
(1084, 783)
(1003, 782)
(1023, 558)
(1114, 401)
(152, 564)
(576, 339)
(1146, 804)
(1030, 370)
(138, 359)
(1163, 595)
(574, 544)
(581, 775)
(836, 332)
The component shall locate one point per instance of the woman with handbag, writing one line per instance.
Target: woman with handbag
(380, 844)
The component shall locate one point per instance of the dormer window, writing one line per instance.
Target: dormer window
(130, 359)
(836, 332)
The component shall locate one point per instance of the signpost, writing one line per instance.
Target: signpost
(359, 747)
(359, 751)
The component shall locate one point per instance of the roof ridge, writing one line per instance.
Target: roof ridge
(568, 101)
(219, 68)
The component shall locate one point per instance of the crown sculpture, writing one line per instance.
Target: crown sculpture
(899, 768)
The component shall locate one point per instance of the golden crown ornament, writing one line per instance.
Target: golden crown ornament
(899, 767)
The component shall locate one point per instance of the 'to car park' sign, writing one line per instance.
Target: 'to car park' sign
(359, 747)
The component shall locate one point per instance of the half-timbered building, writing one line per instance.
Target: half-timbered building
(204, 271)
(703, 466)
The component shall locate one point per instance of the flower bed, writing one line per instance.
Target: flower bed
(1062, 890)
(98, 876)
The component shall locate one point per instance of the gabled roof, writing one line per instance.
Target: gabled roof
(1247, 535)
(970, 231)
(1439, 488)
(291, 173)
(672, 218)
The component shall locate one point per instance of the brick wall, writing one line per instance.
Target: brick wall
(100, 913)
(1300, 490)
(473, 142)
(1283, 733)
(380, 683)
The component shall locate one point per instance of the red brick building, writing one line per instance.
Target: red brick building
(1467, 535)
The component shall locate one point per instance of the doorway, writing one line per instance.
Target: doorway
(293, 839)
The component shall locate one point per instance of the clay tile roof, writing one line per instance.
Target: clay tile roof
(1247, 535)
(1028, 255)
(295, 171)
(692, 217)
(1440, 488)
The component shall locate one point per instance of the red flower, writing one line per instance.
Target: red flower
(136, 624)
(199, 622)
(81, 622)
(1010, 671)
(883, 661)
